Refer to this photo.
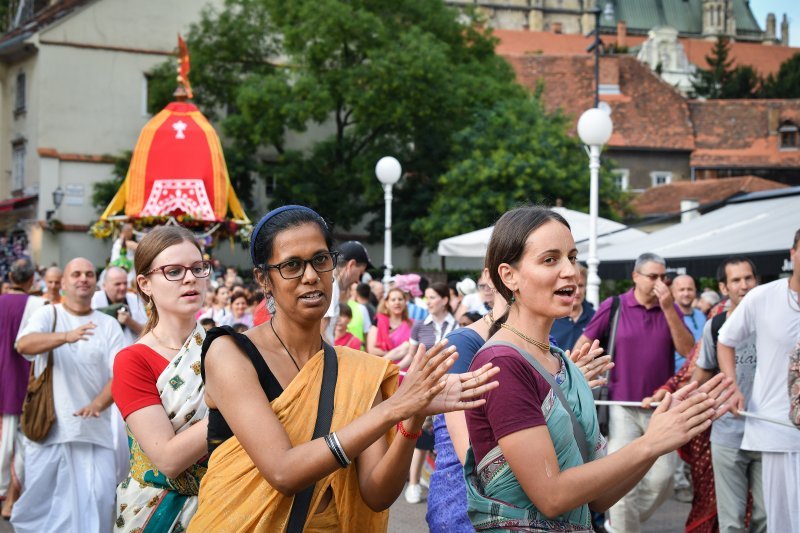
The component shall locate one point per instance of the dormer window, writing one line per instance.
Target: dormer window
(790, 137)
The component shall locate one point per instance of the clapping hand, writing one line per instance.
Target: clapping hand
(427, 389)
(717, 388)
(589, 361)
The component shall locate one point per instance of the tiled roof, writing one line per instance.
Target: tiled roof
(666, 199)
(742, 133)
(765, 59)
(647, 113)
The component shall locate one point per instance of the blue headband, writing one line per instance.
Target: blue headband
(266, 219)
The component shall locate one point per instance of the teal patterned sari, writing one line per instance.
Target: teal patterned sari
(495, 499)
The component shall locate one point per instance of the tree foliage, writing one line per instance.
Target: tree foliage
(357, 79)
(722, 79)
(786, 83)
(310, 94)
(514, 153)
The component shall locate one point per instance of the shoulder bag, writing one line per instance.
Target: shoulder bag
(38, 409)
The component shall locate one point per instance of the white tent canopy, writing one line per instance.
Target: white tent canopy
(474, 243)
(758, 225)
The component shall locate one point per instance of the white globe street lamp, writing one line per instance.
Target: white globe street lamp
(388, 171)
(594, 129)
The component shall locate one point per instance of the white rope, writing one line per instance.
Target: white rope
(768, 419)
(742, 413)
(623, 404)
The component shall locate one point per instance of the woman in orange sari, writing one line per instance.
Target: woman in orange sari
(263, 389)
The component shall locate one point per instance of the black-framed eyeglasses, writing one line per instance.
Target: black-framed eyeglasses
(294, 268)
(199, 269)
(653, 277)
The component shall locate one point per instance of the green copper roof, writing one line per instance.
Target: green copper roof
(684, 15)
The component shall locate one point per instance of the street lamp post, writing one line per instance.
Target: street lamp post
(594, 129)
(388, 171)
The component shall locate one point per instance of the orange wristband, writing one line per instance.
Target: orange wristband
(406, 434)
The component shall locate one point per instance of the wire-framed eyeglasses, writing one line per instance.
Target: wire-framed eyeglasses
(199, 269)
(294, 268)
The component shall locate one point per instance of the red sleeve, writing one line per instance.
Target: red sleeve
(516, 404)
(136, 371)
(354, 343)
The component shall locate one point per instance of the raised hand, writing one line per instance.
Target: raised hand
(717, 388)
(672, 426)
(423, 381)
(589, 361)
(461, 390)
(81, 333)
(657, 397)
(665, 299)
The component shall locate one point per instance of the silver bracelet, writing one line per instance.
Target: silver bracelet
(340, 448)
(336, 449)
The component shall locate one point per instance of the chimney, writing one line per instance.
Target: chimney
(689, 209)
(557, 27)
(785, 31)
(769, 34)
(622, 34)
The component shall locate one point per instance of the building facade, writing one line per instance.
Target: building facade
(73, 95)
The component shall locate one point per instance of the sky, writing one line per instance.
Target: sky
(760, 9)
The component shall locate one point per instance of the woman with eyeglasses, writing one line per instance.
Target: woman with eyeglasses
(158, 389)
(272, 431)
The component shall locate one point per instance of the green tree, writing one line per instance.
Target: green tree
(366, 77)
(514, 153)
(103, 191)
(722, 79)
(786, 83)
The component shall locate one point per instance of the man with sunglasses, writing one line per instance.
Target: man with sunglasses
(650, 329)
(352, 262)
(69, 477)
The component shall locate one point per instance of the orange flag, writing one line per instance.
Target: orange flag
(185, 66)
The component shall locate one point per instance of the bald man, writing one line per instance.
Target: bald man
(132, 316)
(69, 478)
(684, 292)
(52, 278)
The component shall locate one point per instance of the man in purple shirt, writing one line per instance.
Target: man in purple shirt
(649, 332)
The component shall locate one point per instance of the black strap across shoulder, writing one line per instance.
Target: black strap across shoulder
(716, 324)
(265, 377)
(330, 373)
(577, 429)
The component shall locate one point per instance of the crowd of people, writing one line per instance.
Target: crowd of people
(188, 396)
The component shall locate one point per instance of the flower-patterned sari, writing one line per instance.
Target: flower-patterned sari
(148, 500)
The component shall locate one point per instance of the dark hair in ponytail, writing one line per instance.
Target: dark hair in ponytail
(507, 245)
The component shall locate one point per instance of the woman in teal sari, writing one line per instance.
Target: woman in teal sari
(538, 461)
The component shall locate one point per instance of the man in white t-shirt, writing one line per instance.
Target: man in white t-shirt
(132, 316)
(69, 478)
(771, 312)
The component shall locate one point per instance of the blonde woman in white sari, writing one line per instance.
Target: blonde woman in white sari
(158, 389)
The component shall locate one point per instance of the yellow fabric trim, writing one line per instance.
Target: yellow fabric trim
(118, 202)
(235, 497)
(138, 168)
